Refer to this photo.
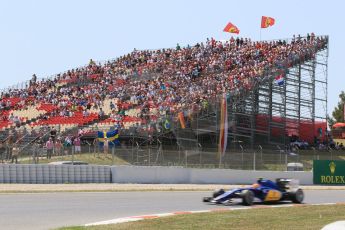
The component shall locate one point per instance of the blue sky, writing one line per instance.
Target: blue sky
(48, 37)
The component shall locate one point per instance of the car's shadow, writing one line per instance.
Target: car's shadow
(256, 203)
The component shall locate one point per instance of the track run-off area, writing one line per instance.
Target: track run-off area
(57, 209)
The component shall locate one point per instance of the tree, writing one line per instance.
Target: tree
(338, 112)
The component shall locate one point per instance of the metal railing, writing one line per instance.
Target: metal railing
(159, 155)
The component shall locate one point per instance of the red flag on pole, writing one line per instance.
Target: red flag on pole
(223, 134)
(267, 22)
(231, 28)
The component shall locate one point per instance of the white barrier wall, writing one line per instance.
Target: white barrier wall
(57, 174)
(177, 175)
(54, 174)
(150, 175)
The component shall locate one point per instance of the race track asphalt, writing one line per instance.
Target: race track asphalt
(51, 210)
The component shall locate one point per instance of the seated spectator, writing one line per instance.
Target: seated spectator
(86, 113)
(100, 114)
(11, 117)
(112, 106)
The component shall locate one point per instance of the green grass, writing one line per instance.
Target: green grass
(303, 217)
(91, 158)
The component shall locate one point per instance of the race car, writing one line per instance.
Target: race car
(264, 190)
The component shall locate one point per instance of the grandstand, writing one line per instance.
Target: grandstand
(141, 93)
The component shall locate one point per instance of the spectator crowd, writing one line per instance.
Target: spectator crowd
(155, 82)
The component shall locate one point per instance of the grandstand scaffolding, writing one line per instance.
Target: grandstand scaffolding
(269, 114)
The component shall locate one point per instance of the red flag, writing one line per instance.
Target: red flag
(223, 134)
(267, 22)
(182, 121)
(231, 28)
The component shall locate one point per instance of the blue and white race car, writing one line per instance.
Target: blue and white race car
(263, 190)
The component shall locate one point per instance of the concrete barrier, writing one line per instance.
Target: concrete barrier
(226, 176)
(150, 175)
(57, 174)
(54, 174)
(177, 175)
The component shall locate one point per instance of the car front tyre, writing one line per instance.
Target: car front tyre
(297, 196)
(247, 197)
(206, 199)
(218, 192)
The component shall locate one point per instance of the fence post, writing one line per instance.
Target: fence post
(200, 158)
(241, 156)
(159, 152)
(220, 159)
(137, 152)
(72, 154)
(254, 162)
(94, 149)
(280, 154)
(112, 155)
(179, 153)
(132, 148)
(186, 157)
(286, 160)
(2, 157)
(149, 155)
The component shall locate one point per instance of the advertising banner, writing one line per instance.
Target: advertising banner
(329, 172)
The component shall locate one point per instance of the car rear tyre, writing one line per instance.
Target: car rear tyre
(218, 192)
(297, 196)
(247, 197)
(206, 199)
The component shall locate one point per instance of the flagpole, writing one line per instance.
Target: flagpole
(260, 28)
